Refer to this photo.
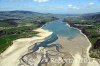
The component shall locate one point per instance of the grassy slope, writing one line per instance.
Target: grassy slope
(24, 30)
(20, 32)
(5, 41)
(2, 24)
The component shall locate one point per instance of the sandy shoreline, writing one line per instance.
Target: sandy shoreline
(90, 45)
(20, 47)
(75, 49)
(94, 61)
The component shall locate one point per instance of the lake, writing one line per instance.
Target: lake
(59, 28)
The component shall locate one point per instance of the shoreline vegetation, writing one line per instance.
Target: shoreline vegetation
(16, 51)
(12, 29)
(22, 36)
(91, 31)
(20, 47)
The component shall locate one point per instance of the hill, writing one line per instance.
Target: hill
(92, 16)
(20, 24)
(18, 14)
(11, 18)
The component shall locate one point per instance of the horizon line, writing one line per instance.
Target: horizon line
(52, 13)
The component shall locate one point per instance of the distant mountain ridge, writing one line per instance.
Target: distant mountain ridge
(13, 17)
(19, 14)
(92, 16)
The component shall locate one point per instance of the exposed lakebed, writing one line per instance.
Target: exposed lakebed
(65, 43)
(59, 28)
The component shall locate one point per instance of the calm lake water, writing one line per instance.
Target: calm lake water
(58, 28)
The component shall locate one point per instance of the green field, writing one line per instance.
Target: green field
(6, 41)
(21, 29)
(16, 33)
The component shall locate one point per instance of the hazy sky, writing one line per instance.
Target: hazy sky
(52, 6)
